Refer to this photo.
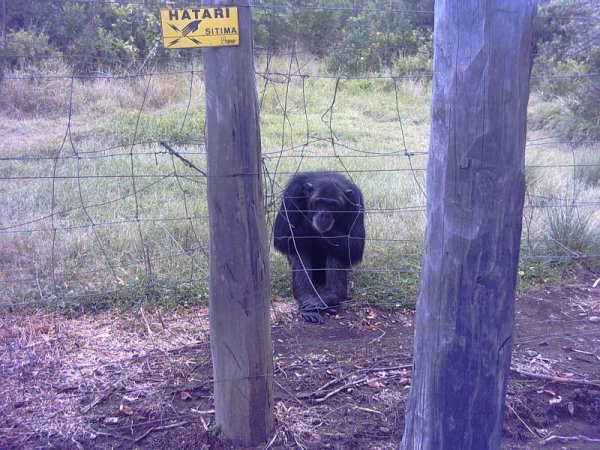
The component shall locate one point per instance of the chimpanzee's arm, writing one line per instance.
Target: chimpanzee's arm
(309, 300)
(336, 282)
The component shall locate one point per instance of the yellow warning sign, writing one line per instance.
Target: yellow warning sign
(200, 27)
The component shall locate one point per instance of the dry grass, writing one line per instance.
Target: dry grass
(57, 93)
(55, 369)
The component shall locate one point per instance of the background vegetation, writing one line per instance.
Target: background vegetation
(98, 211)
(349, 38)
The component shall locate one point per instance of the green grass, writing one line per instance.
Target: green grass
(130, 223)
(537, 274)
(162, 125)
(571, 233)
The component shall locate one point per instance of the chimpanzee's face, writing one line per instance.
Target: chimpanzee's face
(324, 202)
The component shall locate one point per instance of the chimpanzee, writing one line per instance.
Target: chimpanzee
(320, 228)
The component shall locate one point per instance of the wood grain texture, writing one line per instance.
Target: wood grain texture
(475, 193)
(239, 266)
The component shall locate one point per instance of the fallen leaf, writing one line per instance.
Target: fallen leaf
(571, 408)
(374, 384)
(555, 400)
(185, 395)
(126, 410)
(110, 420)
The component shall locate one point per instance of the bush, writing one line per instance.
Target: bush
(418, 65)
(370, 42)
(560, 115)
(29, 49)
(568, 61)
(570, 233)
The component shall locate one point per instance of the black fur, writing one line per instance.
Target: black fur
(320, 228)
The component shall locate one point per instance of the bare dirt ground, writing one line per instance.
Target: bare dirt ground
(143, 380)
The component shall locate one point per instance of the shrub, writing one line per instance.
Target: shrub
(418, 65)
(568, 60)
(27, 50)
(587, 169)
(570, 233)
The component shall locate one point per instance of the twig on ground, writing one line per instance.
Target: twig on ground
(100, 398)
(583, 352)
(383, 333)
(374, 411)
(292, 396)
(118, 437)
(148, 328)
(204, 424)
(569, 438)
(356, 383)
(206, 411)
(595, 383)
(343, 377)
(161, 428)
(144, 434)
(275, 436)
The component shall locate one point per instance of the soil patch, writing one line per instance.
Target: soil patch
(144, 381)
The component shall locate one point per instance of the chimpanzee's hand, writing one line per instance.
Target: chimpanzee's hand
(312, 316)
(309, 308)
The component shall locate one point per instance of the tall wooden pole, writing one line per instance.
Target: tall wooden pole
(239, 266)
(475, 192)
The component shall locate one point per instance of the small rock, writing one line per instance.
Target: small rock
(594, 319)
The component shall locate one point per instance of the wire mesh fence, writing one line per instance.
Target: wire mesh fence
(103, 192)
(103, 167)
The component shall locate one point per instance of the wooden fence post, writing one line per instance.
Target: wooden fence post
(475, 192)
(239, 264)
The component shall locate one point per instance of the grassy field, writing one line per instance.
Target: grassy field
(96, 211)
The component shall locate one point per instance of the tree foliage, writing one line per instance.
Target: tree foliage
(568, 60)
(91, 36)
(352, 37)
